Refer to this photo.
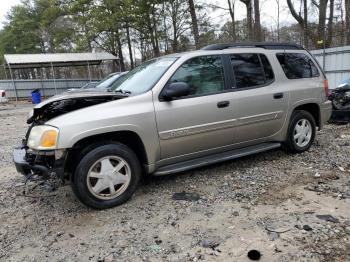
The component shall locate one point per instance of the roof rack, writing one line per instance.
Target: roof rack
(266, 45)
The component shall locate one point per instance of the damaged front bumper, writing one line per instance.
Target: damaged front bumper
(46, 164)
(340, 115)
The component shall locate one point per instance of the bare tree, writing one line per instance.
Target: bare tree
(127, 29)
(248, 4)
(322, 9)
(330, 23)
(302, 21)
(305, 29)
(347, 21)
(278, 20)
(178, 17)
(195, 30)
(257, 24)
(231, 10)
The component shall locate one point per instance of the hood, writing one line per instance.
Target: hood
(76, 93)
(68, 102)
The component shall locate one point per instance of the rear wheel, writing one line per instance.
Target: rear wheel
(107, 176)
(301, 132)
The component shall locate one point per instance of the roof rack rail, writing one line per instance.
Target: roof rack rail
(266, 45)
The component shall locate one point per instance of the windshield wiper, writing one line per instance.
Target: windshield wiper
(124, 92)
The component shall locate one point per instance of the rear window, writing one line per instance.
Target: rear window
(251, 70)
(297, 65)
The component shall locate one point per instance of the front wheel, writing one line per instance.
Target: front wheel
(107, 176)
(301, 132)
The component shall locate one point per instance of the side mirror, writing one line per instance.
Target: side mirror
(175, 90)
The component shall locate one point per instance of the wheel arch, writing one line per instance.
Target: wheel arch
(313, 109)
(85, 145)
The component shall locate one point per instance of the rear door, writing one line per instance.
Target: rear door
(258, 102)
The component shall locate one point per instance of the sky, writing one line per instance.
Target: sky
(5, 6)
(219, 17)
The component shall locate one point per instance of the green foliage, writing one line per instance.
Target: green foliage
(140, 28)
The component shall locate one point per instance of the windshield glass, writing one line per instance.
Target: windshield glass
(104, 84)
(346, 81)
(144, 77)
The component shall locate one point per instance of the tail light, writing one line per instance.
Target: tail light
(325, 82)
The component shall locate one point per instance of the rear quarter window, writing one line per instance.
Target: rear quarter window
(297, 65)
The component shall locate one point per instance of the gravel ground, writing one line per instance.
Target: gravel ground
(287, 207)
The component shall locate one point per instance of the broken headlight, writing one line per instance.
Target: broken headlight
(43, 138)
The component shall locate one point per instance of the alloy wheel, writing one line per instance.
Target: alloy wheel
(109, 177)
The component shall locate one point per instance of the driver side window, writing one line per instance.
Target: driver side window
(204, 75)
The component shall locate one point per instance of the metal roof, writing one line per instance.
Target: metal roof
(59, 59)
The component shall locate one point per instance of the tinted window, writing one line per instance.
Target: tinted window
(267, 68)
(247, 69)
(296, 65)
(204, 75)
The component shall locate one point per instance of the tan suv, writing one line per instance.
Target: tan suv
(175, 113)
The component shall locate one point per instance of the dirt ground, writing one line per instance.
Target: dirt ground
(287, 207)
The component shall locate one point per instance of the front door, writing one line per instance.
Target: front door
(194, 125)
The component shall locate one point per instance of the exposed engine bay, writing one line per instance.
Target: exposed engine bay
(59, 107)
(341, 98)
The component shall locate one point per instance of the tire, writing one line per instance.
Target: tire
(298, 144)
(107, 176)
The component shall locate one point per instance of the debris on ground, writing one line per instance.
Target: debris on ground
(328, 218)
(307, 228)
(186, 196)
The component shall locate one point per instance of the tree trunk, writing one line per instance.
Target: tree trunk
(175, 39)
(330, 24)
(154, 27)
(257, 28)
(166, 38)
(347, 21)
(322, 20)
(302, 23)
(231, 9)
(305, 29)
(120, 52)
(129, 45)
(195, 30)
(248, 4)
(278, 20)
(152, 38)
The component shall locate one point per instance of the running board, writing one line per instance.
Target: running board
(215, 158)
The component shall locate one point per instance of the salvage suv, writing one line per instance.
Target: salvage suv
(175, 113)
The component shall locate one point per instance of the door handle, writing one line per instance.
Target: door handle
(278, 95)
(223, 104)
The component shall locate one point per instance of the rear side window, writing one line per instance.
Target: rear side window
(251, 70)
(297, 65)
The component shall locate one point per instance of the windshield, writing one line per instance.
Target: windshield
(105, 83)
(144, 77)
(346, 81)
